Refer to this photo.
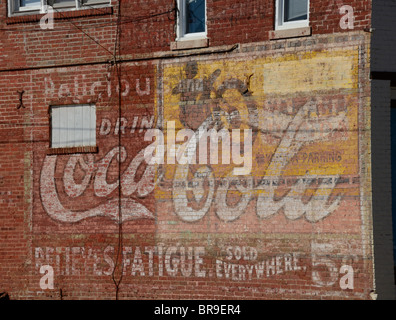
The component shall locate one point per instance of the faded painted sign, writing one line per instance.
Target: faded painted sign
(305, 142)
(296, 214)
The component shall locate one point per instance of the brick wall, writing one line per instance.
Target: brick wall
(297, 225)
(149, 27)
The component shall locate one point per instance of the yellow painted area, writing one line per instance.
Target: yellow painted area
(324, 71)
(330, 148)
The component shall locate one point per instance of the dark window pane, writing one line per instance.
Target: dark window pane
(295, 10)
(195, 10)
(29, 3)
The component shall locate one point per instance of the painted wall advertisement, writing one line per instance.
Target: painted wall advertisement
(242, 172)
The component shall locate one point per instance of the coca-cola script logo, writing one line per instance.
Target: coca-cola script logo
(297, 131)
(97, 172)
(300, 129)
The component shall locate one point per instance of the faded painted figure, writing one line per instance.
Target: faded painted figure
(194, 96)
(208, 100)
(196, 188)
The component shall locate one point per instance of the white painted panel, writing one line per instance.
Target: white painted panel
(92, 125)
(55, 128)
(86, 123)
(78, 126)
(73, 126)
(69, 111)
(63, 121)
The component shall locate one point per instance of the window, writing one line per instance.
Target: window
(292, 14)
(192, 19)
(73, 126)
(17, 7)
(29, 5)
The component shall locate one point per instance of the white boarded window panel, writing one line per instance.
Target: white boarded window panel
(54, 130)
(73, 126)
(92, 131)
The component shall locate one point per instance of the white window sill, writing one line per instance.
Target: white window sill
(189, 43)
(290, 33)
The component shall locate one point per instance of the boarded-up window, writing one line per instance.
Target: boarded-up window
(73, 126)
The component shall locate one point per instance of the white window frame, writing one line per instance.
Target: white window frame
(280, 24)
(58, 121)
(181, 24)
(14, 9)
